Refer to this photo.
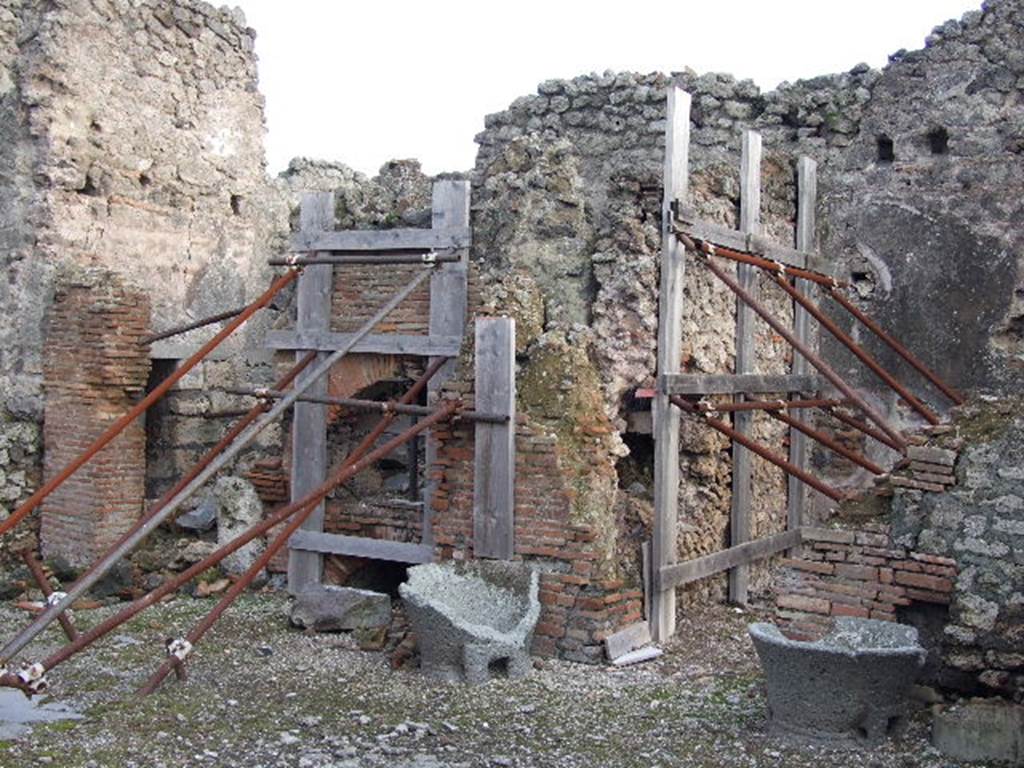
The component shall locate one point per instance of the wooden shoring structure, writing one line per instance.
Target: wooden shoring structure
(683, 230)
(446, 246)
(666, 573)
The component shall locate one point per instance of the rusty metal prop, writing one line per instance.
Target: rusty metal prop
(757, 448)
(178, 330)
(250, 416)
(308, 502)
(827, 323)
(766, 405)
(369, 405)
(770, 265)
(142, 406)
(898, 348)
(861, 426)
(36, 569)
(828, 442)
(343, 258)
(824, 368)
(175, 662)
(229, 453)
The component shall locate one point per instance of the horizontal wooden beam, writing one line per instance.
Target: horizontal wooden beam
(382, 240)
(731, 383)
(358, 546)
(672, 576)
(689, 222)
(376, 343)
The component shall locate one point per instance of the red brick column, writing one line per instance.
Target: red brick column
(93, 371)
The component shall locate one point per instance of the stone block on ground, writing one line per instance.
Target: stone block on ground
(473, 621)
(238, 509)
(848, 689)
(337, 609)
(981, 729)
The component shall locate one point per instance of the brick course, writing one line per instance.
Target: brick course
(94, 370)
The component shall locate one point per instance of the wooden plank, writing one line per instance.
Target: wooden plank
(664, 548)
(746, 275)
(729, 383)
(625, 640)
(757, 244)
(495, 452)
(358, 546)
(309, 421)
(383, 239)
(638, 656)
(448, 306)
(807, 195)
(683, 573)
(375, 343)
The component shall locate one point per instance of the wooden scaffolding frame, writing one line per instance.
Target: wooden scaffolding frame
(666, 573)
(494, 465)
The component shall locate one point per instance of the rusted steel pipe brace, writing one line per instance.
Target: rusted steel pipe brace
(757, 448)
(342, 258)
(828, 442)
(765, 405)
(118, 426)
(308, 502)
(177, 331)
(250, 416)
(861, 426)
(236, 589)
(824, 368)
(243, 440)
(827, 323)
(770, 265)
(898, 348)
(36, 569)
(369, 405)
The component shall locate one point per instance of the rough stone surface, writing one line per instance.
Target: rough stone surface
(850, 687)
(334, 609)
(978, 523)
(473, 623)
(238, 509)
(981, 729)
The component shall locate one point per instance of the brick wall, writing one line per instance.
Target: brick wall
(856, 572)
(94, 371)
(360, 290)
(580, 606)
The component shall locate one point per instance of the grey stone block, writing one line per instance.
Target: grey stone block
(474, 621)
(336, 609)
(981, 729)
(848, 689)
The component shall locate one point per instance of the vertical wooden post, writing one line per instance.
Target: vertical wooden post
(664, 549)
(495, 458)
(807, 194)
(447, 316)
(742, 475)
(309, 422)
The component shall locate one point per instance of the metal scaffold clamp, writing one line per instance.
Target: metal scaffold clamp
(56, 598)
(34, 678)
(430, 258)
(179, 649)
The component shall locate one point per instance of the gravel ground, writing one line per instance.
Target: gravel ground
(260, 694)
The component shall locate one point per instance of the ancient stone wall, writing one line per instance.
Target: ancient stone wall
(942, 551)
(132, 139)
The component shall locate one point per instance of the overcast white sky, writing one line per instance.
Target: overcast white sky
(365, 82)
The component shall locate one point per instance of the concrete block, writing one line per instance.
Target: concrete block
(848, 689)
(981, 730)
(335, 609)
(475, 620)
